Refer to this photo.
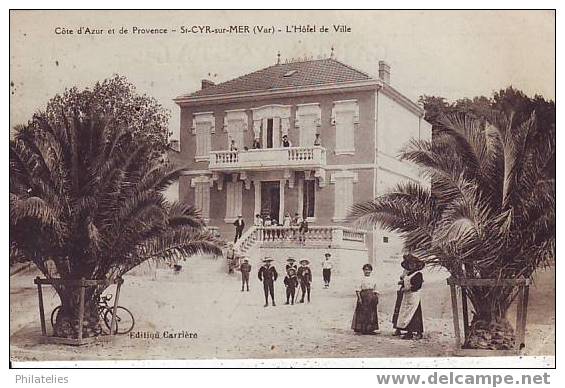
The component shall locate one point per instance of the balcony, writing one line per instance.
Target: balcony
(268, 158)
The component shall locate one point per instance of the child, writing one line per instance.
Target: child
(290, 282)
(305, 276)
(230, 257)
(245, 268)
(258, 220)
(291, 264)
(302, 230)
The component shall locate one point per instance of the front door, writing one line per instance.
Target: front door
(270, 200)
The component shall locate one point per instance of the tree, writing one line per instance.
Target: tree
(509, 101)
(86, 196)
(490, 211)
(116, 98)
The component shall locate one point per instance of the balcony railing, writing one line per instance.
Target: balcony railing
(268, 158)
(288, 236)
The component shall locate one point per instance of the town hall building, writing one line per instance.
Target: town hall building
(232, 139)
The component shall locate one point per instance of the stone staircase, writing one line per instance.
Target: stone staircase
(346, 245)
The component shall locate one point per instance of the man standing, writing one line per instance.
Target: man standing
(245, 269)
(233, 146)
(268, 275)
(285, 142)
(239, 225)
(327, 270)
(317, 141)
(305, 278)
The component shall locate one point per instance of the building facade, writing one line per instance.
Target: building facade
(362, 123)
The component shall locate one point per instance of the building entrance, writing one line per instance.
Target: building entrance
(270, 199)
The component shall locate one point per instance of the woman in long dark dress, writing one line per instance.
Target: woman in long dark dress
(410, 312)
(365, 318)
(399, 295)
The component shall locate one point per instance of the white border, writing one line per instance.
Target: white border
(88, 378)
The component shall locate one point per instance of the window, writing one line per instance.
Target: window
(309, 198)
(235, 123)
(273, 121)
(203, 139)
(343, 181)
(233, 200)
(345, 117)
(269, 133)
(308, 119)
(385, 239)
(203, 127)
(201, 187)
(290, 73)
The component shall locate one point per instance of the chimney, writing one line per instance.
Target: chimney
(206, 83)
(384, 72)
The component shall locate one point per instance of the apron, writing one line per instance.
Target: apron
(409, 305)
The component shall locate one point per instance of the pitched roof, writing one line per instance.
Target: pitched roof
(285, 75)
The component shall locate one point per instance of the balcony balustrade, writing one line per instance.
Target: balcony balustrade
(289, 236)
(268, 158)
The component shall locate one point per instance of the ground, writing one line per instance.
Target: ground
(231, 324)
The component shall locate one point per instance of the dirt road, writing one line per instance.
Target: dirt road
(208, 317)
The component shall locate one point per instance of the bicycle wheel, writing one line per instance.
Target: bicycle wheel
(54, 315)
(124, 321)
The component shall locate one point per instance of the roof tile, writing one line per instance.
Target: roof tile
(308, 73)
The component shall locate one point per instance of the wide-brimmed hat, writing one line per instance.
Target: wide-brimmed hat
(267, 259)
(409, 262)
(305, 261)
(291, 259)
(328, 254)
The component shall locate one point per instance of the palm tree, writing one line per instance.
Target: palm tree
(489, 213)
(86, 198)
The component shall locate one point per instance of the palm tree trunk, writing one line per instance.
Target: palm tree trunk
(490, 328)
(66, 324)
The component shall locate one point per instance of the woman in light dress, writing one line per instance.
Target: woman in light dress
(365, 318)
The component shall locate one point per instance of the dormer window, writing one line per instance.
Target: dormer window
(290, 73)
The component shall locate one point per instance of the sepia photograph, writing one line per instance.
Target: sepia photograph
(376, 186)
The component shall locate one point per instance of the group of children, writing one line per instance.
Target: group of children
(296, 276)
(287, 220)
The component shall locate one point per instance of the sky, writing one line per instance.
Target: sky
(453, 54)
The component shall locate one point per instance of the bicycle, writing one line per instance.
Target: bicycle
(123, 322)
